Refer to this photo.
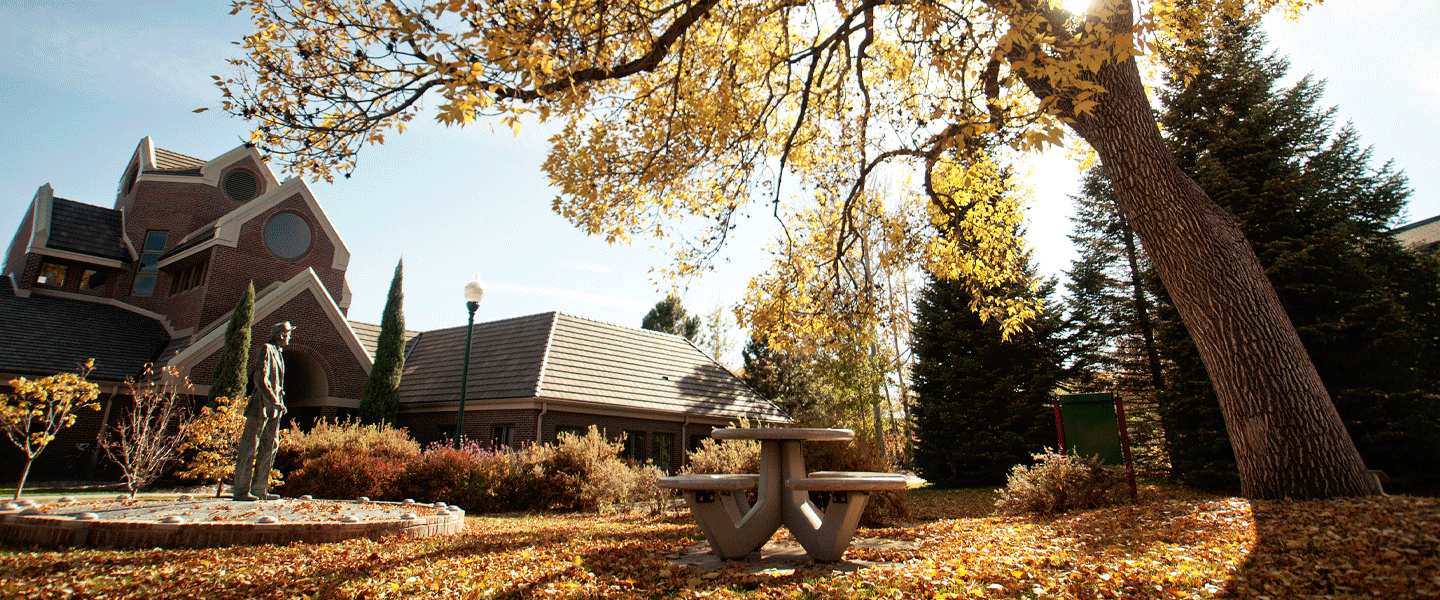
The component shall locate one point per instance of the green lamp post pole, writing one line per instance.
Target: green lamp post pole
(474, 292)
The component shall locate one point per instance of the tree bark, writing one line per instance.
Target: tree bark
(1288, 439)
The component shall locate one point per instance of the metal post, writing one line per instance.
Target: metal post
(1125, 447)
(465, 373)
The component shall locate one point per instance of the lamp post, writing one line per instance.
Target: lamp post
(474, 292)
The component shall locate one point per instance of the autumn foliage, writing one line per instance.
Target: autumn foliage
(346, 459)
(1169, 547)
(40, 408)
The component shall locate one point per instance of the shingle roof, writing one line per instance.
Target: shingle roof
(369, 335)
(86, 229)
(44, 335)
(562, 357)
(175, 162)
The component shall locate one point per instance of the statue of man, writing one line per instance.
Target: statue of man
(262, 420)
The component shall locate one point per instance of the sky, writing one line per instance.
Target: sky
(81, 83)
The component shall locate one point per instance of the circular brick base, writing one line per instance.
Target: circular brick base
(209, 523)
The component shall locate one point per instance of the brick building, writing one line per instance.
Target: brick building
(154, 279)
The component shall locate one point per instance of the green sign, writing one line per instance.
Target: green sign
(1090, 426)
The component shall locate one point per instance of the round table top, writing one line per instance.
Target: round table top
(785, 433)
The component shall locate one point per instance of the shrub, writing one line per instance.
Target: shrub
(344, 459)
(729, 456)
(471, 477)
(347, 473)
(1059, 483)
(581, 472)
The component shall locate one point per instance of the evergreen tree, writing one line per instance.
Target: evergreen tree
(232, 369)
(670, 317)
(982, 404)
(1111, 317)
(380, 400)
(783, 378)
(1317, 216)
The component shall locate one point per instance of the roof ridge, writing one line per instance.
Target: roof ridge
(625, 327)
(545, 353)
(1409, 226)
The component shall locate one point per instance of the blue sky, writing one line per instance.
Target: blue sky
(82, 82)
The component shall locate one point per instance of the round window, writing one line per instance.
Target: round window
(240, 185)
(287, 235)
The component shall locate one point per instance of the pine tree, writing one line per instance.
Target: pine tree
(1317, 215)
(380, 400)
(1111, 316)
(670, 316)
(982, 404)
(232, 369)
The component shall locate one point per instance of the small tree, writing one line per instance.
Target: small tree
(670, 317)
(228, 378)
(380, 400)
(154, 430)
(49, 403)
(215, 437)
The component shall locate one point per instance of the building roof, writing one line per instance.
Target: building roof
(44, 335)
(1424, 234)
(559, 357)
(369, 335)
(86, 229)
(177, 163)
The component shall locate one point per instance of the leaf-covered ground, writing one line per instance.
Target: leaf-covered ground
(1192, 548)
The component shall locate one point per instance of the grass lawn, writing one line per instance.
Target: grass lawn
(1175, 546)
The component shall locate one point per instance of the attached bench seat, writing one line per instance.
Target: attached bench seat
(711, 483)
(847, 481)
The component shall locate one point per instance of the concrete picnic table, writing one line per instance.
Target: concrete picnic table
(734, 528)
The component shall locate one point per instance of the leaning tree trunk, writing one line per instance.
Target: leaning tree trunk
(1288, 439)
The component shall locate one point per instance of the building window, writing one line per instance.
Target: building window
(661, 445)
(188, 277)
(634, 447)
(287, 235)
(92, 280)
(696, 440)
(240, 185)
(502, 436)
(149, 263)
(51, 274)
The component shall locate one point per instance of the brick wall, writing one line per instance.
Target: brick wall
(316, 337)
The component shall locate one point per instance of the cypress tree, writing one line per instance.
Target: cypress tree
(380, 400)
(1317, 216)
(982, 404)
(232, 369)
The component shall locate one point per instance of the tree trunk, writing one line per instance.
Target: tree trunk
(1142, 311)
(20, 487)
(1288, 439)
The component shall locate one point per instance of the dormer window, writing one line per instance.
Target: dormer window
(240, 185)
(149, 264)
(51, 274)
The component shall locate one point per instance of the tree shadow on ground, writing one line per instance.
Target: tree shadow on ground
(1383, 547)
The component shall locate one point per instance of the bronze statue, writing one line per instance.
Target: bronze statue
(262, 420)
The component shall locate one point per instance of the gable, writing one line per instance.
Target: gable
(267, 303)
(225, 231)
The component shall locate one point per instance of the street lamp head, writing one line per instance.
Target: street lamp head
(475, 290)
